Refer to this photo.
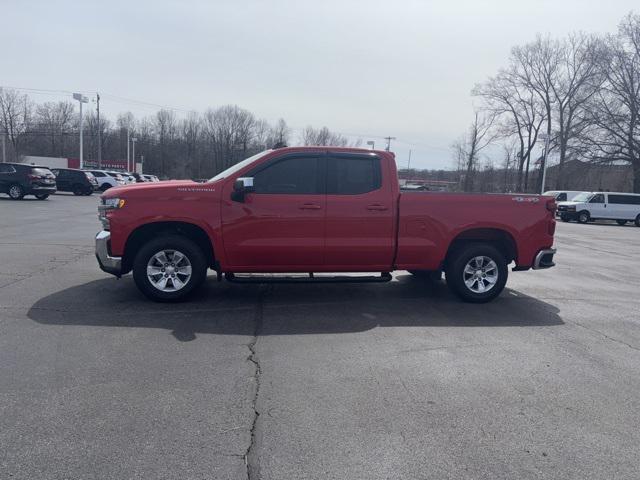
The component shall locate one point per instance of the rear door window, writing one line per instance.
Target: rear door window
(353, 175)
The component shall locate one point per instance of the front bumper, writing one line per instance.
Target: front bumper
(563, 212)
(109, 264)
(544, 259)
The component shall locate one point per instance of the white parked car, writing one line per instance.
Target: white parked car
(562, 195)
(151, 178)
(106, 180)
(589, 206)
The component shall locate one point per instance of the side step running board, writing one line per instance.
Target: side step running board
(257, 278)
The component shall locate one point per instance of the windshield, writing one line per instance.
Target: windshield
(582, 197)
(238, 166)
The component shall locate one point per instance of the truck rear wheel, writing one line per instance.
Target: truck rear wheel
(477, 272)
(169, 268)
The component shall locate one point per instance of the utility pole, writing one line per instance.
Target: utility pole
(544, 162)
(133, 146)
(128, 157)
(409, 162)
(99, 131)
(388, 139)
(81, 99)
(4, 147)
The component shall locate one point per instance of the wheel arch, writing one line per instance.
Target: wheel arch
(500, 238)
(138, 237)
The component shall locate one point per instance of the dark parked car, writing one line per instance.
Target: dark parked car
(18, 180)
(77, 181)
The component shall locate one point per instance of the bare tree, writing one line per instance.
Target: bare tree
(323, 136)
(55, 119)
(578, 79)
(15, 117)
(519, 111)
(467, 149)
(191, 128)
(165, 124)
(280, 133)
(615, 112)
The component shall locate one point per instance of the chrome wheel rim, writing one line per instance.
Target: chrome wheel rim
(14, 192)
(584, 217)
(169, 270)
(480, 274)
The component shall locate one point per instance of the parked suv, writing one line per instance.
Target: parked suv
(106, 180)
(590, 206)
(18, 180)
(77, 181)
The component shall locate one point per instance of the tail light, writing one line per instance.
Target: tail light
(551, 206)
(33, 177)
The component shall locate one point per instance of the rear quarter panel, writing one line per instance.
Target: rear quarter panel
(429, 222)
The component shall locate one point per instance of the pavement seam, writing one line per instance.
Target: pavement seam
(251, 456)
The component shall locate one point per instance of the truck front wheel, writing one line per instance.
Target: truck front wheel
(169, 268)
(476, 272)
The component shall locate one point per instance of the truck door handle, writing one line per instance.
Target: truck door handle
(376, 206)
(310, 206)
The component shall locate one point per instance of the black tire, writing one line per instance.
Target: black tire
(584, 217)
(456, 275)
(169, 242)
(621, 222)
(430, 275)
(78, 190)
(16, 192)
(104, 187)
(565, 218)
(637, 221)
(42, 196)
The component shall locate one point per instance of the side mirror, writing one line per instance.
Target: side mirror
(241, 187)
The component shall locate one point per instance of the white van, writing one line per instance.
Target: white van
(562, 195)
(589, 206)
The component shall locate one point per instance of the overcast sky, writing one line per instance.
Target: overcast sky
(363, 68)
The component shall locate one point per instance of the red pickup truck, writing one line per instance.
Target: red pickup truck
(312, 210)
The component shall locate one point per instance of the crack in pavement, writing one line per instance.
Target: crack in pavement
(608, 337)
(251, 457)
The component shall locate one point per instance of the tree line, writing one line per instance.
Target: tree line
(196, 145)
(578, 97)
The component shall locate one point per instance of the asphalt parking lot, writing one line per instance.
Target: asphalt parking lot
(362, 381)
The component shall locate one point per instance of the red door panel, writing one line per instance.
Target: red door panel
(273, 231)
(360, 217)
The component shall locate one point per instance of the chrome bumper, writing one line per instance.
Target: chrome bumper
(544, 259)
(109, 264)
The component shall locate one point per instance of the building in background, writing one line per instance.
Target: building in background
(119, 165)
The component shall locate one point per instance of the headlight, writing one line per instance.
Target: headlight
(107, 205)
(112, 203)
